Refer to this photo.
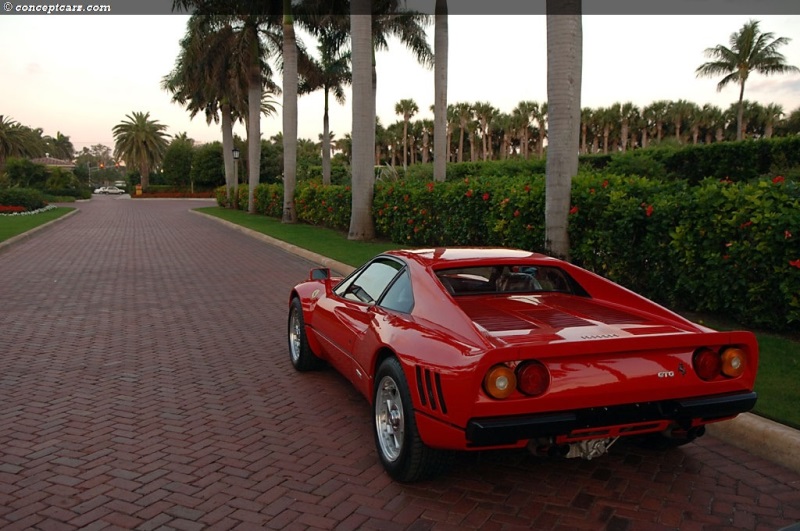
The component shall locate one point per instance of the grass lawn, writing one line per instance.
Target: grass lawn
(11, 226)
(326, 242)
(779, 366)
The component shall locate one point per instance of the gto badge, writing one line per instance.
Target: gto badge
(315, 294)
(666, 374)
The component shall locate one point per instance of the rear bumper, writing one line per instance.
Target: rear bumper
(685, 413)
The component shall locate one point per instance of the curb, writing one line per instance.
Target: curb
(337, 267)
(27, 234)
(762, 437)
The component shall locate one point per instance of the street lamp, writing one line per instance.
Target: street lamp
(236, 164)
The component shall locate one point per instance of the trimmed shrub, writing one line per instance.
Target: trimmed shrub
(25, 197)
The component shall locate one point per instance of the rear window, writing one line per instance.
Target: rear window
(507, 279)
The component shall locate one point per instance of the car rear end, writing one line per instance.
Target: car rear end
(563, 370)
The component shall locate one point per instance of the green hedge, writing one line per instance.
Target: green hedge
(736, 161)
(25, 197)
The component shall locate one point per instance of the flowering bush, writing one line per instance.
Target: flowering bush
(738, 249)
(329, 206)
(27, 212)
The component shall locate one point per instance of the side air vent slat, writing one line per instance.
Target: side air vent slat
(429, 389)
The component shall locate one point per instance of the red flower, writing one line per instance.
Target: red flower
(778, 179)
(649, 210)
(469, 193)
(726, 180)
(486, 196)
(527, 188)
(605, 183)
(430, 187)
(787, 234)
(795, 263)
(573, 210)
(516, 213)
(745, 224)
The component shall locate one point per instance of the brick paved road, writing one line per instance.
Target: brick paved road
(144, 383)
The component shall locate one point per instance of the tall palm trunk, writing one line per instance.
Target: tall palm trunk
(363, 108)
(253, 117)
(227, 152)
(740, 113)
(440, 51)
(564, 65)
(289, 114)
(326, 144)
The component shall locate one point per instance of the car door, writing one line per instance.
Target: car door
(346, 323)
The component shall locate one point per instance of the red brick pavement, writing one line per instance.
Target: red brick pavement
(145, 383)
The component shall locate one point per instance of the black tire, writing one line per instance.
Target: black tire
(402, 453)
(303, 359)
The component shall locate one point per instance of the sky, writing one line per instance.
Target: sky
(81, 75)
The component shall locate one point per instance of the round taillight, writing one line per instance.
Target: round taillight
(733, 362)
(533, 378)
(500, 381)
(707, 364)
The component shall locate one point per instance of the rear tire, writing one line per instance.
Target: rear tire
(303, 359)
(403, 454)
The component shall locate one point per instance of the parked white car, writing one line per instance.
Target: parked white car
(114, 190)
(100, 190)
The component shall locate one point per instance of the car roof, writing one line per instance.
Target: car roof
(451, 257)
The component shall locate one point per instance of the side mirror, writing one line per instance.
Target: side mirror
(320, 274)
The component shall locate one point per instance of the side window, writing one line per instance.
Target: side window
(399, 296)
(369, 284)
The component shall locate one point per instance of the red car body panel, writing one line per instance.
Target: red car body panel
(618, 363)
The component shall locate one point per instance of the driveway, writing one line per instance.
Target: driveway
(145, 384)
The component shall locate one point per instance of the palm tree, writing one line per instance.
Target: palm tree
(407, 109)
(679, 112)
(524, 110)
(331, 73)
(362, 226)
(60, 146)
(11, 140)
(17, 140)
(485, 112)
(464, 113)
(751, 50)
(772, 115)
(208, 77)
(628, 113)
(440, 49)
(586, 119)
(427, 127)
(564, 66)
(540, 115)
(141, 143)
(656, 114)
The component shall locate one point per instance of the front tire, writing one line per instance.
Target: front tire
(303, 359)
(403, 454)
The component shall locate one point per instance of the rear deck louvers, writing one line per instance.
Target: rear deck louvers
(429, 387)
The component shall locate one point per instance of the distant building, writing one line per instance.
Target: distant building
(51, 162)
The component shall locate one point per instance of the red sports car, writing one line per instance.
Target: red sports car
(487, 348)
